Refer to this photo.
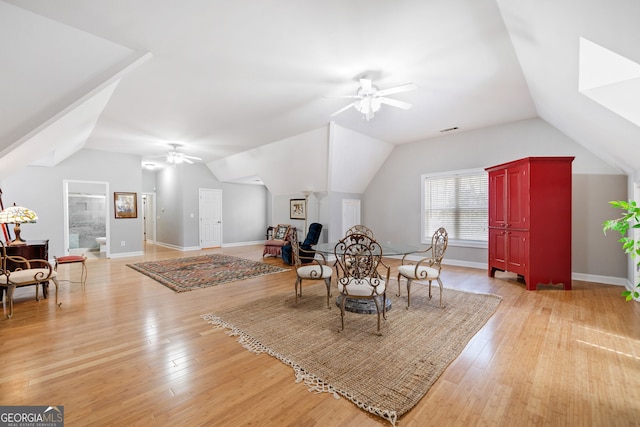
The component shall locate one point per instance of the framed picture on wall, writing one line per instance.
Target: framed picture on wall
(297, 209)
(125, 205)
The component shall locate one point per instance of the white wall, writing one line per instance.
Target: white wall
(391, 203)
(40, 189)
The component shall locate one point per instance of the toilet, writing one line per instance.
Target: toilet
(102, 241)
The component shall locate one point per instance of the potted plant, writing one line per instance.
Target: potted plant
(629, 220)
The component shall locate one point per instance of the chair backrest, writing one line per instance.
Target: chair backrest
(313, 235)
(439, 243)
(357, 258)
(360, 229)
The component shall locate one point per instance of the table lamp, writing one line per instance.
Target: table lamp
(17, 215)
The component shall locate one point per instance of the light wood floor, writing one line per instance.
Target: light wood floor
(129, 351)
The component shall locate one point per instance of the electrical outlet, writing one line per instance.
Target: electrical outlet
(122, 243)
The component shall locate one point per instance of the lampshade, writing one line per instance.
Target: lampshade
(17, 215)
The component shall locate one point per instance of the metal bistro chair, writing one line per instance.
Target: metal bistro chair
(24, 275)
(358, 257)
(360, 229)
(314, 269)
(426, 268)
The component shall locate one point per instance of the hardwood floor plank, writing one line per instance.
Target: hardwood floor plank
(129, 351)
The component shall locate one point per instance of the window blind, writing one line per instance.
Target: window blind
(457, 202)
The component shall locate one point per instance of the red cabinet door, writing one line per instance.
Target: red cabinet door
(497, 249)
(509, 197)
(498, 198)
(517, 198)
(517, 252)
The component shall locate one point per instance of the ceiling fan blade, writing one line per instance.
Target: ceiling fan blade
(184, 159)
(366, 85)
(192, 157)
(397, 89)
(345, 108)
(395, 103)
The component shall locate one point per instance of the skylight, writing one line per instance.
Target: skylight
(610, 79)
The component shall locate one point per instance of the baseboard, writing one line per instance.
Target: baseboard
(607, 280)
(231, 245)
(169, 246)
(126, 254)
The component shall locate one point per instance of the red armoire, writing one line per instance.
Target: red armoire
(530, 220)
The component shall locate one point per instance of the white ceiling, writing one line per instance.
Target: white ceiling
(222, 77)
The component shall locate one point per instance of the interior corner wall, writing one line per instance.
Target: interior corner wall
(244, 213)
(244, 207)
(391, 203)
(169, 205)
(40, 188)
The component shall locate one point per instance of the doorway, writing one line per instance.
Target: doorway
(210, 218)
(86, 209)
(350, 214)
(148, 218)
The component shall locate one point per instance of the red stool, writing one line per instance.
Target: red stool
(70, 259)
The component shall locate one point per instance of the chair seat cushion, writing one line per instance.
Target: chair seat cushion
(274, 242)
(424, 272)
(21, 277)
(70, 258)
(362, 287)
(313, 272)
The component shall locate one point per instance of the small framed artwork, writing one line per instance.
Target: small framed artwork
(297, 209)
(125, 205)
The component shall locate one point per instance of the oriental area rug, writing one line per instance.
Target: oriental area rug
(385, 375)
(186, 274)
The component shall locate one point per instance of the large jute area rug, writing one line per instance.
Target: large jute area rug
(384, 375)
(185, 274)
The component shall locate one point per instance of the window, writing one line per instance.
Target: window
(456, 201)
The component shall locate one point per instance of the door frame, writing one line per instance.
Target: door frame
(149, 202)
(65, 204)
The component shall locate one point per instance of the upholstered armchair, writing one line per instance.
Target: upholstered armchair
(281, 236)
(310, 240)
(428, 267)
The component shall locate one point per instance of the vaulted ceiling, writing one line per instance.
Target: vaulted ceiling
(223, 77)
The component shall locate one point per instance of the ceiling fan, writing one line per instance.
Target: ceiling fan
(369, 99)
(175, 157)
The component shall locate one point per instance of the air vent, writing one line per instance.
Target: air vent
(449, 129)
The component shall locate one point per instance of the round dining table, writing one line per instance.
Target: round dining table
(368, 306)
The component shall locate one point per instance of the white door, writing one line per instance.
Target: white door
(350, 214)
(210, 218)
(149, 217)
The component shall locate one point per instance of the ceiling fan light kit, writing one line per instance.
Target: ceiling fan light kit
(369, 99)
(175, 157)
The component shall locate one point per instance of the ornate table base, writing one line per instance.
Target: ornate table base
(362, 306)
